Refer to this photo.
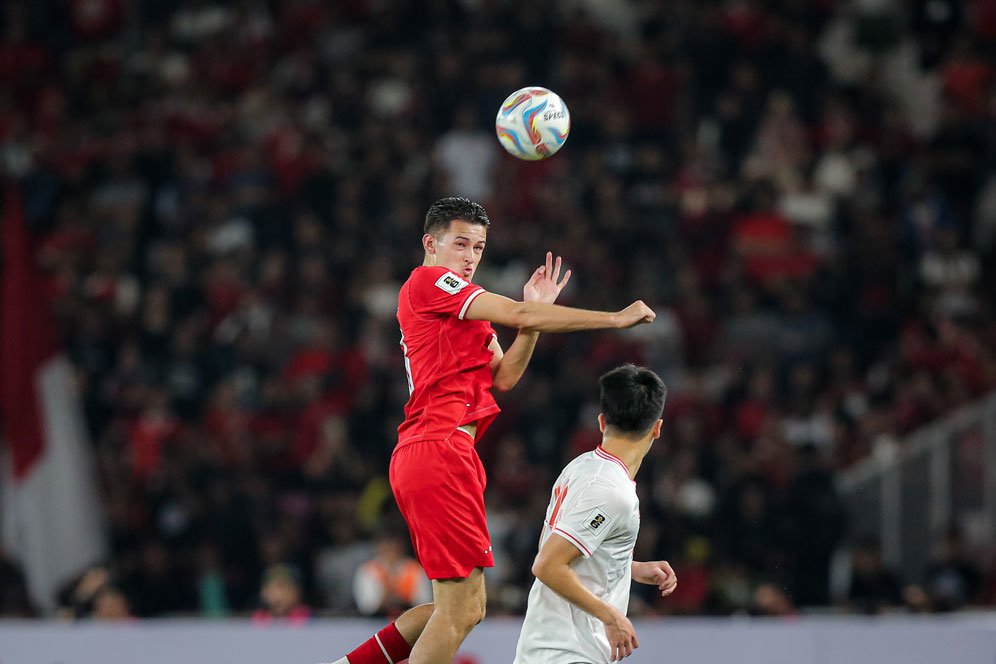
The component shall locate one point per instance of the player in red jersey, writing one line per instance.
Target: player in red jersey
(452, 360)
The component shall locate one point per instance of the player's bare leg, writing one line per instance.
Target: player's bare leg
(459, 605)
(408, 626)
(412, 622)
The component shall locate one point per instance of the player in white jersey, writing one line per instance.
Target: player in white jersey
(577, 605)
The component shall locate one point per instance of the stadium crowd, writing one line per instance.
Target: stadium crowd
(231, 193)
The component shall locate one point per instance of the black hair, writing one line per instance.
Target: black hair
(445, 210)
(632, 399)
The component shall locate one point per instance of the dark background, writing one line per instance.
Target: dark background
(228, 196)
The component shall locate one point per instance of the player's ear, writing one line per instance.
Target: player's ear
(601, 422)
(429, 244)
(657, 428)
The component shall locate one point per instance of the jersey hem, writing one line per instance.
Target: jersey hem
(429, 436)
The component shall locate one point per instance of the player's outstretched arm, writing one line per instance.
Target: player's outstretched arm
(543, 317)
(553, 568)
(544, 285)
(656, 573)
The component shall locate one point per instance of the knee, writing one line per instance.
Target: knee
(466, 617)
(472, 616)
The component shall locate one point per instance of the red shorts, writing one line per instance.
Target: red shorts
(439, 486)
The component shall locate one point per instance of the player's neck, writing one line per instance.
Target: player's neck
(631, 452)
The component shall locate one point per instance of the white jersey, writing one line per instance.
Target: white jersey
(594, 507)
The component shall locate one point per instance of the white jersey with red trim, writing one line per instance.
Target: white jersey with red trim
(594, 507)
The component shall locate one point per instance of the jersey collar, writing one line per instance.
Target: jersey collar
(608, 456)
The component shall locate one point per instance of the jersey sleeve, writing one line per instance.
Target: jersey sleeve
(436, 290)
(588, 515)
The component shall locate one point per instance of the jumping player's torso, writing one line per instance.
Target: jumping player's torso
(595, 507)
(447, 359)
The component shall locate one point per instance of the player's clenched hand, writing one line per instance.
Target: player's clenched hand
(545, 284)
(622, 636)
(657, 573)
(635, 314)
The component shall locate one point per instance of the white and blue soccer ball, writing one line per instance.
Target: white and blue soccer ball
(533, 123)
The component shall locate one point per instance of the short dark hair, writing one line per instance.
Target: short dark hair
(445, 210)
(632, 399)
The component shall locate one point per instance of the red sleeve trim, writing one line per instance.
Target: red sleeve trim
(574, 540)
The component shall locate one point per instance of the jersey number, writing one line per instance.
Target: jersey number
(559, 493)
(408, 366)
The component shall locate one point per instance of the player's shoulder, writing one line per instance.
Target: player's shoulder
(436, 276)
(579, 464)
(425, 271)
(598, 473)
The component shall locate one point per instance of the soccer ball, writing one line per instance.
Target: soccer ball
(532, 123)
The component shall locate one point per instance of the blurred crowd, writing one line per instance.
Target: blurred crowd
(230, 194)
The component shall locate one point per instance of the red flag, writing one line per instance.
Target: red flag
(51, 517)
(26, 337)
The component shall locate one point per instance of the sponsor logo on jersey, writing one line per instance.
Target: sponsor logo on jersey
(450, 283)
(597, 520)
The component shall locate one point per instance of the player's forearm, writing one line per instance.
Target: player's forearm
(543, 317)
(515, 361)
(562, 580)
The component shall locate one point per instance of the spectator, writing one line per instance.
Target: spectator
(951, 273)
(772, 601)
(211, 587)
(95, 596)
(812, 498)
(467, 156)
(952, 579)
(873, 587)
(392, 582)
(343, 551)
(77, 600)
(747, 525)
(280, 598)
(109, 603)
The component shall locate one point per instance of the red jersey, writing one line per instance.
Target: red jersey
(447, 358)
